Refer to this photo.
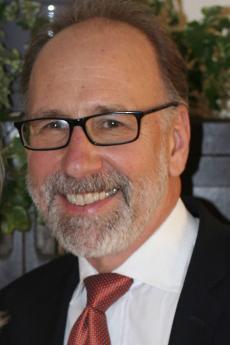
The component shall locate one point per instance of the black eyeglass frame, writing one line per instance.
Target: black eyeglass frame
(81, 122)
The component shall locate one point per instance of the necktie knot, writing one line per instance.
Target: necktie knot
(102, 290)
(105, 288)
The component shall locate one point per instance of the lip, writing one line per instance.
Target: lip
(92, 207)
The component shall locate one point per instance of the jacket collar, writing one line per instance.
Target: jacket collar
(200, 305)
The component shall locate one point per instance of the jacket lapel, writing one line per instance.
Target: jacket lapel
(50, 309)
(200, 304)
(63, 300)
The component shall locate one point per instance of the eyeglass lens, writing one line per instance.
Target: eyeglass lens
(103, 129)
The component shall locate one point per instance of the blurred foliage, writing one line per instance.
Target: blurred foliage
(23, 13)
(205, 45)
(15, 201)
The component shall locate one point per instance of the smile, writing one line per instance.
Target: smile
(89, 198)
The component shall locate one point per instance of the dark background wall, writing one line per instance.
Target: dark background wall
(207, 176)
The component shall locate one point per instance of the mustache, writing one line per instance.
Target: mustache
(60, 183)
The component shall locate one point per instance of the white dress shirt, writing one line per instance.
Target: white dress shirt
(144, 315)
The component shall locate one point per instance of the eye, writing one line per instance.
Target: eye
(41, 127)
(56, 124)
(107, 122)
(111, 123)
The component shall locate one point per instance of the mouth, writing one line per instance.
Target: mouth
(89, 198)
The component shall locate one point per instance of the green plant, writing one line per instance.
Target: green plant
(205, 45)
(15, 201)
(23, 13)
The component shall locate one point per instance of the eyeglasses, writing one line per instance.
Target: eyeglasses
(106, 129)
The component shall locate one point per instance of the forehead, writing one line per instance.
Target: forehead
(97, 55)
(100, 36)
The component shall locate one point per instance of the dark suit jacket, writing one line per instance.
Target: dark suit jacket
(38, 302)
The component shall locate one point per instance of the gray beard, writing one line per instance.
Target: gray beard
(106, 233)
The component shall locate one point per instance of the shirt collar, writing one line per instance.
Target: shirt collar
(162, 261)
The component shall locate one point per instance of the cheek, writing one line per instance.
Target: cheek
(138, 159)
(41, 165)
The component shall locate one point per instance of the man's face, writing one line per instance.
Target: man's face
(99, 200)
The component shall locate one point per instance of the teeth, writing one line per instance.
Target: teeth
(89, 198)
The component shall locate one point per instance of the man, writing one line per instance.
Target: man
(107, 138)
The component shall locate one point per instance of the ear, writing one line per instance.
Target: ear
(179, 142)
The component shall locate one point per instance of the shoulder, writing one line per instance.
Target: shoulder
(39, 282)
(208, 215)
(213, 240)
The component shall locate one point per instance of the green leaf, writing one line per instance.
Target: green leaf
(15, 219)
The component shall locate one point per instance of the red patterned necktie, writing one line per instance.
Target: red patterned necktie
(102, 291)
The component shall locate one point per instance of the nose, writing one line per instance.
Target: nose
(81, 158)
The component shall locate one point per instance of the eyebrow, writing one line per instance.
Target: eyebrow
(98, 109)
(45, 113)
(109, 108)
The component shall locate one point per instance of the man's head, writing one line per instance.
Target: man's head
(107, 200)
